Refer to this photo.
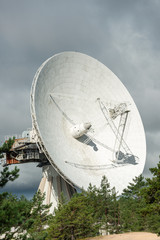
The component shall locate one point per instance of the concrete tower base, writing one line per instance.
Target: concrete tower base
(53, 185)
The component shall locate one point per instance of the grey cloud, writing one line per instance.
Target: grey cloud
(150, 110)
(28, 181)
(153, 142)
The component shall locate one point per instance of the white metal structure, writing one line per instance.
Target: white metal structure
(52, 184)
(73, 94)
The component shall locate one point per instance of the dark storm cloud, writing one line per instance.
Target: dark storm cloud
(134, 37)
(123, 34)
(28, 181)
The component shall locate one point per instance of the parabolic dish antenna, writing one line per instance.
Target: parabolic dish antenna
(86, 122)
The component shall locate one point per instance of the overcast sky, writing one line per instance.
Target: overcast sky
(122, 34)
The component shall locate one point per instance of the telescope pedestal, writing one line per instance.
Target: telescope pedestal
(53, 185)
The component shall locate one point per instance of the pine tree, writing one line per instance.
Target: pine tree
(36, 223)
(29, 218)
(152, 192)
(73, 220)
(7, 176)
(7, 145)
(151, 195)
(133, 190)
(104, 204)
(13, 211)
(131, 203)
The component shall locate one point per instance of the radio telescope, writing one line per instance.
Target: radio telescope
(86, 123)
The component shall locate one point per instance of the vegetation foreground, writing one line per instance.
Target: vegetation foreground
(85, 215)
